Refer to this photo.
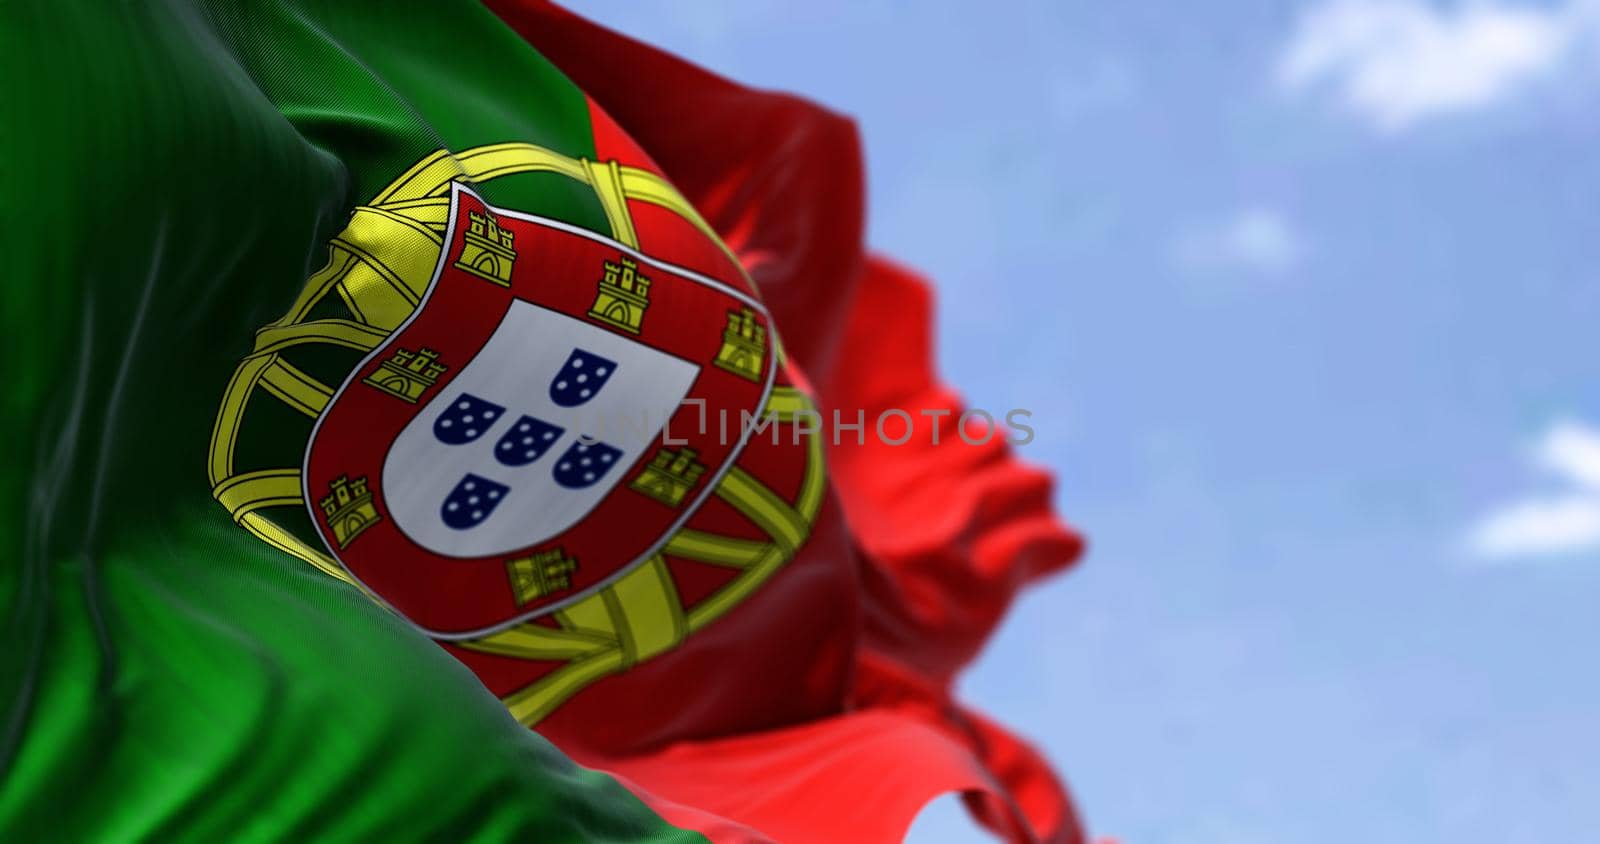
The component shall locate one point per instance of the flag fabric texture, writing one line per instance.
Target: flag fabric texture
(384, 382)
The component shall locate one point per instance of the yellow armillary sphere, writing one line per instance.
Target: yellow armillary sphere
(379, 268)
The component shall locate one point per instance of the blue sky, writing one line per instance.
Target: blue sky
(1302, 297)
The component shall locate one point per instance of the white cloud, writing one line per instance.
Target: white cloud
(1561, 523)
(1256, 239)
(1397, 62)
(1573, 449)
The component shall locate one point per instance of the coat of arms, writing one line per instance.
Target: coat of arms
(561, 453)
(537, 427)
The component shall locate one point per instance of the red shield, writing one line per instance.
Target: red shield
(554, 409)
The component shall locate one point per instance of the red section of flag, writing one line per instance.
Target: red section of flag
(812, 746)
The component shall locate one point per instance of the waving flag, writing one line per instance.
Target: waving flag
(362, 364)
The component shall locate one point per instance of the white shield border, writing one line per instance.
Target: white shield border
(456, 189)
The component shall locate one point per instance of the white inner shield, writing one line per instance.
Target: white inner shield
(514, 370)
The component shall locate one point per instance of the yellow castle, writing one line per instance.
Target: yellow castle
(744, 345)
(622, 295)
(540, 575)
(487, 251)
(348, 509)
(670, 476)
(406, 374)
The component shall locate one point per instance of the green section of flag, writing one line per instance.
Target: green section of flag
(171, 176)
